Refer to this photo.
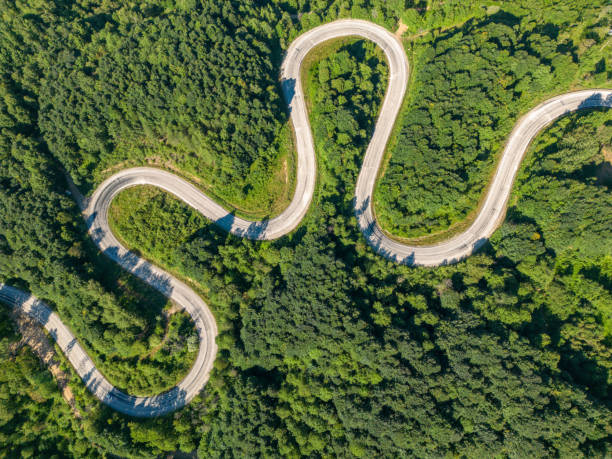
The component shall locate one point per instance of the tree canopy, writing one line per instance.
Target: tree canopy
(325, 348)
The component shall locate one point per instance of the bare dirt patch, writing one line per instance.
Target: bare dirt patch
(401, 29)
(32, 335)
(285, 171)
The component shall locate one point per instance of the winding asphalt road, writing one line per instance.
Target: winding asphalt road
(457, 248)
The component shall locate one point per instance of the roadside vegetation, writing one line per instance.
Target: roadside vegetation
(325, 348)
(336, 333)
(469, 86)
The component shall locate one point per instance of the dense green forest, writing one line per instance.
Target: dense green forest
(469, 85)
(28, 395)
(325, 348)
(507, 352)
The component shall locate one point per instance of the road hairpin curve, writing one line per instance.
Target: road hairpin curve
(96, 212)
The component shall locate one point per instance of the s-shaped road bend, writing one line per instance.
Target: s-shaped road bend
(452, 250)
